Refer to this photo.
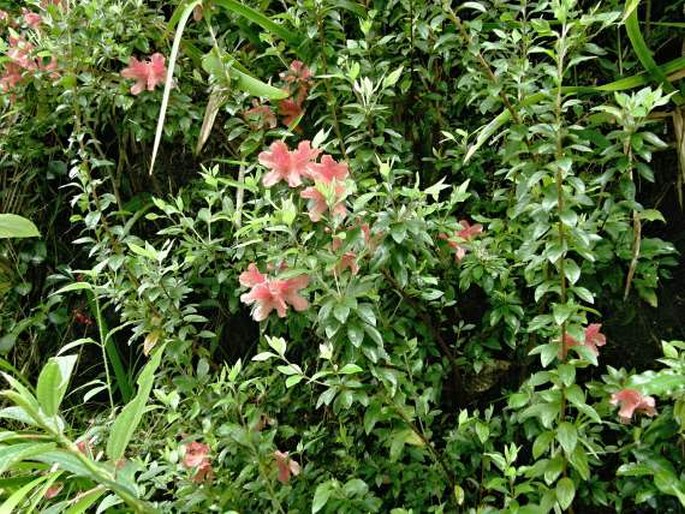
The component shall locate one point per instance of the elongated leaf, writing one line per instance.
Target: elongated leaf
(86, 500)
(12, 225)
(128, 420)
(15, 453)
(53, 382)
(66, 461)
(183, 20)
(19, 495)
(643, 52)
(261, 20)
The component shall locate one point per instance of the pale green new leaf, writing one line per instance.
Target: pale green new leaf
(12, 225)
(53, 382)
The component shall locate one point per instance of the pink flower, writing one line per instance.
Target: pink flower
(268, 294)
(632, 401)
(3, 15)
(593, 338)
(11, 77)
(32, 19)
(328, 170)
(465, 234)
(297, 72)
(286, 466)
(287, 165)
(147, 74)
(318, 204)
(196, 456)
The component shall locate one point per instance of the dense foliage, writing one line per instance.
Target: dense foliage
(341, 256)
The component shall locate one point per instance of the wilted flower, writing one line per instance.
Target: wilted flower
(632, 401)
(290, 110)
(348, 261)
(286, 466)
(147, 74)
(287, 165)
(268, 293)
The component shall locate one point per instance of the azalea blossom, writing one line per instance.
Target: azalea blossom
(297, 72)
(467, 233)
(329, 170)
(593, 338)
(287, 467)
(147, 74)
(287, 165)
(318, 204)
(268, 294)
(631, 402)
(196, 457)
(32, 19)
(298, 78)
(11, 77)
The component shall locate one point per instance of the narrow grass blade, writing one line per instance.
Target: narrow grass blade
(261, 20)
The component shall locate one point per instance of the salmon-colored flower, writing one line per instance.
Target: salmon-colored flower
(593, 338)
(147, 74)
(631, 402)
(196, 457)
(287, 165)
(287, 467)
(32, 19)
(11, 77)
(268, 294)
(467, 233)
(290, 110)
(329, 170)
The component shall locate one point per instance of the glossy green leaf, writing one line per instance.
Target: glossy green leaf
(14, 226)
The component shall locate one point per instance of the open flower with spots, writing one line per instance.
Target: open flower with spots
(147, 74)
(631, 402)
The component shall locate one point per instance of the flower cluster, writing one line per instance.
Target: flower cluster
(268, 293)
(292, 166)
(147, 74)
(467, 233)
(631, 402)
(196, 457)
(23, 62)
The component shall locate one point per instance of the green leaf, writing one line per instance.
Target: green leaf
(19, 495)
(86, 500)
(566, 491)
(53, 382)
(128, 420)
(257, 17)
(350, 369)
(15, 453)
(14, 226)
(293, 380)
(567, 435)
(321, 496)
(278, 344)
